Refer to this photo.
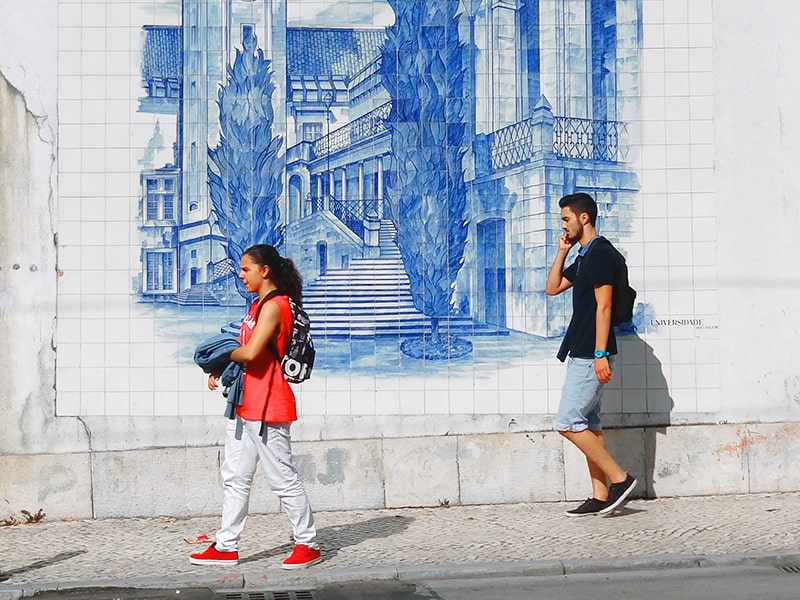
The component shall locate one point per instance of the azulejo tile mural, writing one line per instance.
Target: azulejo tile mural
(409, 157)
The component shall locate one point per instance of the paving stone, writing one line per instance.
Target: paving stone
(136, 550)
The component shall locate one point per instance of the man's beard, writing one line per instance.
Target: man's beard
(574, 239)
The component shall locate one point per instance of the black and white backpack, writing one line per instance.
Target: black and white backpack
(298, 361)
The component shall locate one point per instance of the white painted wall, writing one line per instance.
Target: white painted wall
(756, 150)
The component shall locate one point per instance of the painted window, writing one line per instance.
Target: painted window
(160, 200)
(312, 131)
(160, 275)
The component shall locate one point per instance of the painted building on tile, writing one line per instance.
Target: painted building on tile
(520, 153)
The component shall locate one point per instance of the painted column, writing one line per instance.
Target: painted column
(197, 118)
(379, 185)
(360, 190)
(329, 194)
(565, 57)
(577, 62)
(627, 64)
(504, 73)
(470, 84)
(550, 64)
(344, 184)
(481, 67)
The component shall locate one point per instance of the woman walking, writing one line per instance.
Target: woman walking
(259, 430)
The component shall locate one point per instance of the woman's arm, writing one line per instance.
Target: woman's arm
(267, 327)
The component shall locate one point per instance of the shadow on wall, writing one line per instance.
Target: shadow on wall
(654, 421)
(659, 407)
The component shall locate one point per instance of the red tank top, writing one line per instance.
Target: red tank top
(266, 395)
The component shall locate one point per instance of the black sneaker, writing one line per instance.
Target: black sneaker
(590, 506)
(617, 492)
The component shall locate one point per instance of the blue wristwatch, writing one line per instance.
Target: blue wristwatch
(601, 353)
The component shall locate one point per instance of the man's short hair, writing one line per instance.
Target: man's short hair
(580, 203)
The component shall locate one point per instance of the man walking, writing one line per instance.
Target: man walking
(591, 346)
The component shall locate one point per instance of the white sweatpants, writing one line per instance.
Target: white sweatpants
(242, 454)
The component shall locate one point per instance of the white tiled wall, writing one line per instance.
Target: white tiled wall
(120, 357)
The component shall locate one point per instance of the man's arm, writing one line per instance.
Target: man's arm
(556, 282)
(602, 295)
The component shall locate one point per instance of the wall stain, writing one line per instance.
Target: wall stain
(792, 387)
(306, 467)
(335, 460)
(59, 479)
(669, 470)
(749, 439)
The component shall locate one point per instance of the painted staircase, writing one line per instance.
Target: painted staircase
(372, 298)
(197, 295)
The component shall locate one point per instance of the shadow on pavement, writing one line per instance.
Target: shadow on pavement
(39, 564)
(335, 537)
(622, 511)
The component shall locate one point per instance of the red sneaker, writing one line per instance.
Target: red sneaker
(302, 557)
(212, 556)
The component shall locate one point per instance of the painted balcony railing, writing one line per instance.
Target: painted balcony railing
(568, 137)
(221, 269)
(515, 143)
(350, 212)
(588, 138)
(364, 128)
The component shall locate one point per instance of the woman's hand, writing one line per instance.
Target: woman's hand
(212, 382)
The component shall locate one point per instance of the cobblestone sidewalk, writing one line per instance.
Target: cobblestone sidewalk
(144, 552)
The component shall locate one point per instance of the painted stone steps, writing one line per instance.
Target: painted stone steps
(372, 298)
(197, 295)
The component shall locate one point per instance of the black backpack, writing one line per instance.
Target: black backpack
(298, 361)
(623, 296)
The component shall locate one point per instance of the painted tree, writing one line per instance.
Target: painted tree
(245, 173)
(422, 69)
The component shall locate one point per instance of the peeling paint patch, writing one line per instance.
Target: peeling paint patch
(335, 460)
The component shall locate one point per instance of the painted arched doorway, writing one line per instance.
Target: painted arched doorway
(322, 258)
(295, 197)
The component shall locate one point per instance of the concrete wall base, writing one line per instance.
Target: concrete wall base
(399, 472)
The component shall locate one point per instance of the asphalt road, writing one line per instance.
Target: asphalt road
(745, 583)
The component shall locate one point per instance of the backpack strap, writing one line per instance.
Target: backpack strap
(602, 240)
(270, 296)
(263, 429)
(597, 240)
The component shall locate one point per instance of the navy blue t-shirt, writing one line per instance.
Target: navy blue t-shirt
(594, 269)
